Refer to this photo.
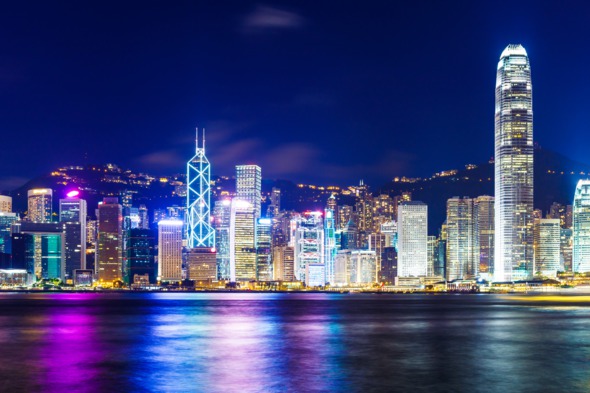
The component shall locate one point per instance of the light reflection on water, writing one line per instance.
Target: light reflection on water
(248, 342)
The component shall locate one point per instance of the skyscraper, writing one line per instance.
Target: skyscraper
(513, 259)
(198, 199)
(547, 237)
(249, 185)
(581, 228)
(5, 204)
(40, 204)
(72, 215)
(263, 249)
(170, 250)
(460, 239)
(6, 221)
(140, 255)
(330, 249)
(109, 247)
(201, 266)
(412, 239)
(309, 249)
(242, 241)
(221, 223)
(483, 217)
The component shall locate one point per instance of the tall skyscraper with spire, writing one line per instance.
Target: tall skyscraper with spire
(198, 198)
(513, 167)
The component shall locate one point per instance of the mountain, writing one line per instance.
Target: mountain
(555, 180)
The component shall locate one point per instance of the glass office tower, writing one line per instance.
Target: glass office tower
(513, 167)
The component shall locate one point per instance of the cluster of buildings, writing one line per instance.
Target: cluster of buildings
(379, 240)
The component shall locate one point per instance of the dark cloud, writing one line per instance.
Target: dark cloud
(11, 182)
(265, 18)
(164, 160)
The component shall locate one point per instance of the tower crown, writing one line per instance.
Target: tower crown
(513, 49)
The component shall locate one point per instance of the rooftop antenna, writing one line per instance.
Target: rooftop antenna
(203, 140)
(197, 141)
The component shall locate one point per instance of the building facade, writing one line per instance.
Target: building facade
(581, 228)
(461, 261)
(170, 250)
(109, 244)
(547, 238)
(249, 186)
(72, 215)
(412, 239)
(242, 241)
(40, 205)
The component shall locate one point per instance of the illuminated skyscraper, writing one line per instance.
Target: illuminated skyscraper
(109, 247)
(460, 239)
(581, 228)
(198, 199)
(140, 255)
(201, 266)
(263, 249)
(144, 222)
(309, 249)
(170, 250)
(412, 239)
(6, 221)
(513, 259)
(221, 223)
(546, 245)
(249, 185)
(483, 217)
(40, 205)
(242, 241)
(275, 203)
(283, 258)
(5, 204)
(72, 215)
(330, 249)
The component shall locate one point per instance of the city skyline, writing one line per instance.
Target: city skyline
(305, 121)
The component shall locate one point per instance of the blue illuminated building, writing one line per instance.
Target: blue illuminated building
(198, 199)
(330, 248)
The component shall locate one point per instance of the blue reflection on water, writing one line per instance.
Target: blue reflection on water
(249, 342)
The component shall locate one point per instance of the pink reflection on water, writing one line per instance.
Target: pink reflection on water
(68, 351)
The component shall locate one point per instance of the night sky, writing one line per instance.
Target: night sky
(322, 91)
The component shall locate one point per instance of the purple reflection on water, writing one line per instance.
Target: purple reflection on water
(68, 350)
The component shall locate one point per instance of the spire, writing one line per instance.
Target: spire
(203, 141)
(197, 141)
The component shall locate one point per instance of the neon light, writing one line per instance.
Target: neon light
(73, 193)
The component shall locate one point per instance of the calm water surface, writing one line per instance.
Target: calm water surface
(247, 342)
